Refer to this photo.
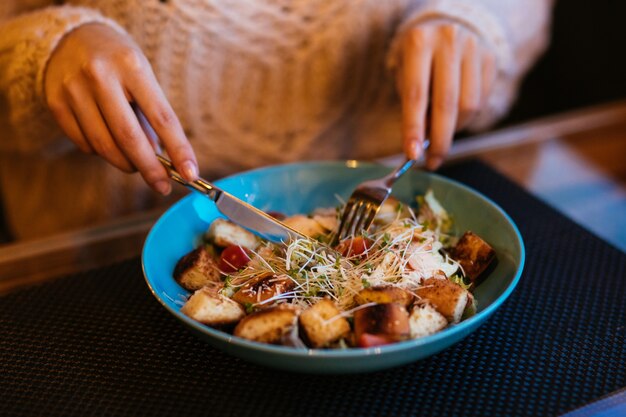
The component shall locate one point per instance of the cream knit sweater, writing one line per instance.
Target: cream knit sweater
(254, 82)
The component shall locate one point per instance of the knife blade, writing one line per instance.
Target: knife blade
(237, 210)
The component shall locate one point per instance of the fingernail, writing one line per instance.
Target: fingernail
(190, 171)
(416, 150)
(411, 148)
(163, 187)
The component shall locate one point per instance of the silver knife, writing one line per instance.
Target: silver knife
(235, 209)
(240, 212)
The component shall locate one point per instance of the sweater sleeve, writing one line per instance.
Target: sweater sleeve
(516, 30)
(26, 42)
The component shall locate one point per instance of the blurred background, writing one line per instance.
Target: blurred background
(585, 65)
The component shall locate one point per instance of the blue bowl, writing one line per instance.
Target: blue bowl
(300, 188)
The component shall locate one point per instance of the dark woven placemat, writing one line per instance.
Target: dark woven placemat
(98, 343)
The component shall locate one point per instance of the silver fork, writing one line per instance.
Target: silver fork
(365, 201)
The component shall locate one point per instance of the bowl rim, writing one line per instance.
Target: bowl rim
(352, 352)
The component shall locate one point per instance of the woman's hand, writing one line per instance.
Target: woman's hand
(91, 80)
(444, 79)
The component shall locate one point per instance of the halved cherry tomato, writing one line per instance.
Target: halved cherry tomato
(233, 258)
(355, 246)
(371, 340)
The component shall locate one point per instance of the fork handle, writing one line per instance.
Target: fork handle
(398, 172)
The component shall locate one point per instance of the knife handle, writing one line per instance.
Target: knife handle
(200, 185)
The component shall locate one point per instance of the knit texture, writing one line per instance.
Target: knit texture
(253, 83)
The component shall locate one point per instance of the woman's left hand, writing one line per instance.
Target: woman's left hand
(444, 78)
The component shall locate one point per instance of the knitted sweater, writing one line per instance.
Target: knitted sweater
(254, 82)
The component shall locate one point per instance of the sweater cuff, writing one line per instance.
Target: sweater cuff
(471, 15)
(56, 23)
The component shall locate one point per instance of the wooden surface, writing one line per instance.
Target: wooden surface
(574, 161)
(583, 175)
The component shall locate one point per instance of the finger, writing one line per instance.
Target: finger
(159, 113)
(98, 136)
(131, 138)
(414, 87)
(488, 77)
(470, 89)
(95, 130)
(445, 98)
(66, 120)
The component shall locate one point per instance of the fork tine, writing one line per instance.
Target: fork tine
(366, 199)
(359, 222)
(370, 217)
(354, 219)
(346, 219)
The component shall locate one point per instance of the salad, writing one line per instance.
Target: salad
(407, 276)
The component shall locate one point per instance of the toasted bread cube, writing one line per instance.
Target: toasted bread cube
(212, 308)
(327, 217)
(262, 288)
(321, 324)
(329, 223)
(325, 212)
(389, 320)
(425, 320)
(225, 233)
(447, 297)
(391, 210)
(197, 269)
(474, 255)
(471, 308)
(305, 225)
(269, 325)
(382, 294)
(258, 257)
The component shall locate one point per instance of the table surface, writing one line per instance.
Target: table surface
(575, 161)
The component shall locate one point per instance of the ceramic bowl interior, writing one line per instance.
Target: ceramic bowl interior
(300, 188)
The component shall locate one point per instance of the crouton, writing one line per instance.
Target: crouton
(269, 325)
(321, 324)
(305, 225)
(391, 321)
(391, 210)
(259, 256)
(448, 298)
(384, 294)
(262, 288)
(425, 320)
(212, 308)
(327, 217)
(225, 233)
(474, 255)
(197, 269)
(329, 223)
(471, 308)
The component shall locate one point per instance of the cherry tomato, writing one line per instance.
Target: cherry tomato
(370, 340)
(277, 215)
(356, 246)
(233, 258)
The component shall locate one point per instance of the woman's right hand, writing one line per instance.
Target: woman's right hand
(93, 79)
